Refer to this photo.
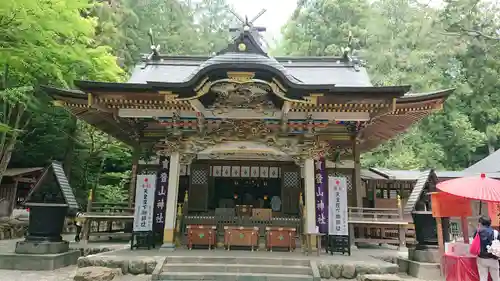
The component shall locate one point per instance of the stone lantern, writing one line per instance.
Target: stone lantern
(50, 201)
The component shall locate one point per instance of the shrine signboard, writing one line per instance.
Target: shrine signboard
(321, 195)
(338, 223)
(337, 193)
(144, 203)
(161, 198)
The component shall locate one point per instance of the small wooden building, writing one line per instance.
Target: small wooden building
(16, 184)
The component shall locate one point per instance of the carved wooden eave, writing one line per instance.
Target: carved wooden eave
(408, 110)
(79, 105)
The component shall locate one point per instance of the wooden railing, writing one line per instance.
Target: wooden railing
(111, 208)
(381, 225)
(107, 219)
(375, 214)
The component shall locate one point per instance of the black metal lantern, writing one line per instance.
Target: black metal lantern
(50, 201)
(426, 229)
(46, 222)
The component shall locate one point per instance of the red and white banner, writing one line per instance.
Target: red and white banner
(144, 202)
(338, 223)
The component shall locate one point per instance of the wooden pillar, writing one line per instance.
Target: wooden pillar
(310, 202)
(357, 195)
(310, 199)
(465, 229)
(171, 206)
(136, 152)
(356, 176)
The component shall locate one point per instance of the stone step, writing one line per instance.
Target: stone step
(237, 268)
(226, 276)
(238, 260)
(379, 277)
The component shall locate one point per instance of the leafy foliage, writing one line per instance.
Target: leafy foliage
(54, 42)
(405, 42)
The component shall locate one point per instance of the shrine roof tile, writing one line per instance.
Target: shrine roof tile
(488, 164)
(300, 70)
(413, 175)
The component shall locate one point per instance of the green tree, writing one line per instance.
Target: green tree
(45, 42)
(403, 43)
(322, 27)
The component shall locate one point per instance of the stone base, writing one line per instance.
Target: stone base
(15, 261)
(168, 246)
(41, 248)
(427, 256)
(421, 270)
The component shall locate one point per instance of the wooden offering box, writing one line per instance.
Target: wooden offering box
(241, 236)
(201, 235)
(244, 210)
(282, 237)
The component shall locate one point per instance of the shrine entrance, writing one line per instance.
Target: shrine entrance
(243, 185)
(262, 185)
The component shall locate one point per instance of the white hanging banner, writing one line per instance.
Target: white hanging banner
(337, 210)
(144, 202)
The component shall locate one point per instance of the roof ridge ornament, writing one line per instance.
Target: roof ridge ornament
(248, 26)
(155, 48)
(349, 54)
(248, 37)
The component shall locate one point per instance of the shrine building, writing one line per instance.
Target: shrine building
(243, 128)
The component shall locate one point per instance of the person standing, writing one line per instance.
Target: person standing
(78, 224)
(487, 262)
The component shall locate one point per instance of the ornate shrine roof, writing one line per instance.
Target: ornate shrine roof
(303, 70)
(331, 98)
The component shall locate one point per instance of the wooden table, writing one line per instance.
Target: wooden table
(309, 239)
(280, 237)
(204, 235)
(241, 236)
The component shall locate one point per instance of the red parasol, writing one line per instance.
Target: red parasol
(476, 187)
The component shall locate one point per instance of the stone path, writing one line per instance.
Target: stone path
(8, 245)
(62, 274)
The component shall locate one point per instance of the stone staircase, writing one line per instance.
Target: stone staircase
(236, 269)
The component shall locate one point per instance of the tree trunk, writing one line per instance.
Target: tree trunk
(7, 153)
(9, 141)
(70, 147)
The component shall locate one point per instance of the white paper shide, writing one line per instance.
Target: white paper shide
(144, 202)
(337, 206)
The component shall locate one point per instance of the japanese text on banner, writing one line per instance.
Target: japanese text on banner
(161, 195)
(337, 196)
(144, 201)
(321, 195)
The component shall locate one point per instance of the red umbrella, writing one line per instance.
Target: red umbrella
(476, 187)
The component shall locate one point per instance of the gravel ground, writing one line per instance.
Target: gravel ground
(62, 274)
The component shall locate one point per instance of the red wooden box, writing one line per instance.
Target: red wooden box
(282, 237)
(201, 235)
(241, 236)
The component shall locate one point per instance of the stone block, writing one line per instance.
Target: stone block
(336, 270)
(41, 248)
(324, 270)
(421, 270)
(15, 261)
(378, 277)
(425, 255)
(96, 274)
(349, 271)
